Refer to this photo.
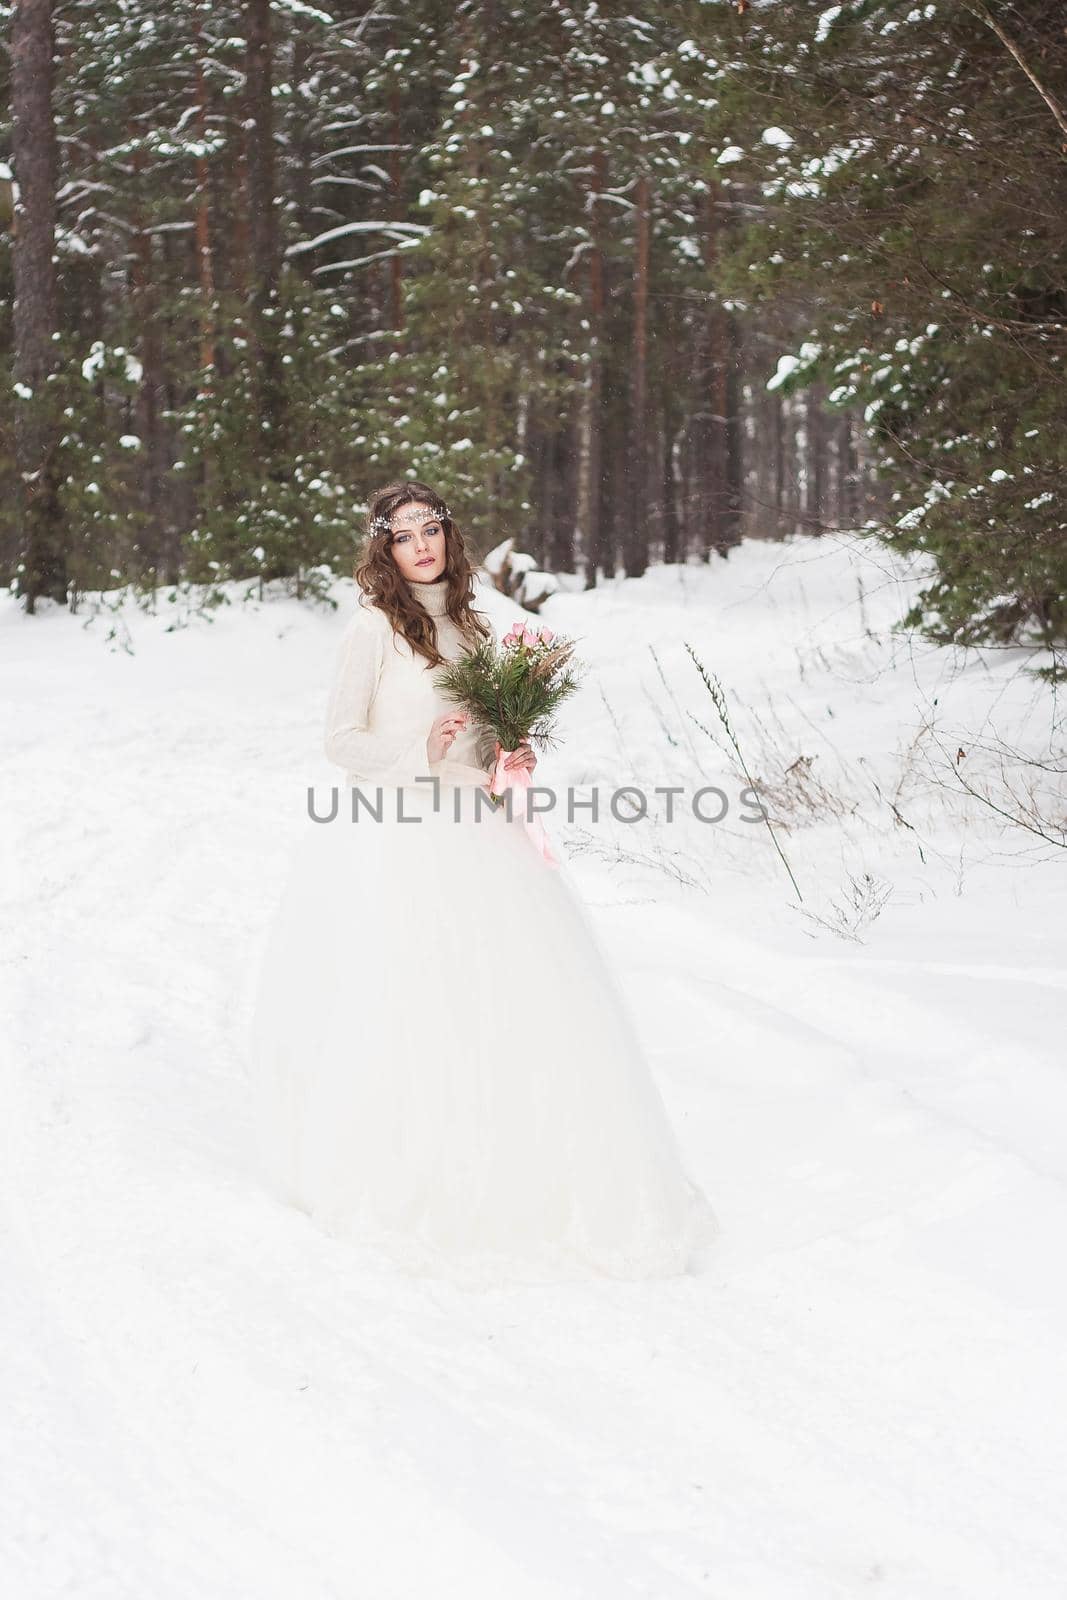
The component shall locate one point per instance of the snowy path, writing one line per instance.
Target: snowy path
(863, 1393)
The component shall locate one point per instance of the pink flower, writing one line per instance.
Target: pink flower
(547, 636)
(528, 637)
(510, 637)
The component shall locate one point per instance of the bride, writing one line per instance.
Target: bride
(443, 1068)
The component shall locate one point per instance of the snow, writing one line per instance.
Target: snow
(826, 22)
(495, 561)
(98, 356)
(345, 230)
(860, 1390)
(789, 364)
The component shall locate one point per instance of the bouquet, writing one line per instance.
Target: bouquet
(514, 691)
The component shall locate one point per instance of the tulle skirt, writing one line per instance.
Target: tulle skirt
(443, 1068)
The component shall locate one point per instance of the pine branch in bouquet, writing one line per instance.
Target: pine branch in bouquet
(514, 690)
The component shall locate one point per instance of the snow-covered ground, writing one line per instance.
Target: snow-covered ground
(863, 1392)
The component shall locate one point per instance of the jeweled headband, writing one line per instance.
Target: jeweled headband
(423, 513)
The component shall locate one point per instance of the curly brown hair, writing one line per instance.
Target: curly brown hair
(381, 580)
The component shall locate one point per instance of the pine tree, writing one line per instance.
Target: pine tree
(915, 207)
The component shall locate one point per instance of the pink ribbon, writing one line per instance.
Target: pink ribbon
(519, 778)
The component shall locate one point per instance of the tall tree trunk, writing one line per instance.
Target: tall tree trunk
(566, 461)
(553, 496)
(794, 456)
(180, 260)
(37, 430)
(145, 307)
(762, 517)
(543, 475)
(713, 400)
(614, 477)
(694, 449)
(719, 399)
(595, 399)
(671, 409)
(779, 465)
(734, 435)
(672, 533)
(298, 127)
(204, 263)
(396, 184)
(261, 195)
(815, 462)
(719, 402)
(847, 473)
(232, 257)
(635, 554)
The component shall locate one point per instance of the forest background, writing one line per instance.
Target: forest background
(626, 284)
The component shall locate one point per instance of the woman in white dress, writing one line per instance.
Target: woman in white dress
(443, 1068)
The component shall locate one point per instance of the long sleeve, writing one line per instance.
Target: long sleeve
(397, 756)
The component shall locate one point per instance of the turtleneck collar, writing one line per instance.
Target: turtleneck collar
(433, 597)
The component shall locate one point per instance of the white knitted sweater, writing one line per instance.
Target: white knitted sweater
(383, 701)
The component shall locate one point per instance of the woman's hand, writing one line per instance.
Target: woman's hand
(443, 730)
(522, 756)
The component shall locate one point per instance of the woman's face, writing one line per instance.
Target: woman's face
(418, 542)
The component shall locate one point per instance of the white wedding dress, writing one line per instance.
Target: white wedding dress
(443, 1068)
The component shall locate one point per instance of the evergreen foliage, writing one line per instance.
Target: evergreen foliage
(625, 284)
(915, 212)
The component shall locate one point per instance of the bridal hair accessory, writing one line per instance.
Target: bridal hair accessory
(423, 513)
